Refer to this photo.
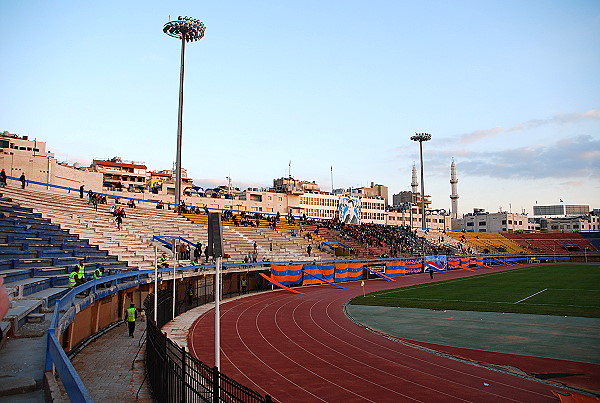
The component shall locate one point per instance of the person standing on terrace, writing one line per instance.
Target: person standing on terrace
(2, 178)
(23, 180)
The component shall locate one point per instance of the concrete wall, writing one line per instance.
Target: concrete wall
(44, 168)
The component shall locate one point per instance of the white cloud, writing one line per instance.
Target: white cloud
(562, 118)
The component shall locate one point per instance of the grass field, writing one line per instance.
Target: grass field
(568, 289)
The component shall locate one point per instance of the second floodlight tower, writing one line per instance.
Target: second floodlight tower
(421, 137)
(188, 30)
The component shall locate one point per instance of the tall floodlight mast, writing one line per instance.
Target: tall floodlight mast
(421, 137)
(188, 30)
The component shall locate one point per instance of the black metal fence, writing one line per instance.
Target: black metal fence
(176, 376)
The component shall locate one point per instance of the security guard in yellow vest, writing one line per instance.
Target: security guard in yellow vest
(162, 261)
(73, 277)
(81, 271)
(98, 272)
(130, 318)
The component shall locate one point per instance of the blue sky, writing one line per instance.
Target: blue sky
(509, 89)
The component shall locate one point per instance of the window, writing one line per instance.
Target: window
(482, 223)
(470, 224)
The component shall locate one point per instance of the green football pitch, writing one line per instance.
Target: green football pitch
(567, 289)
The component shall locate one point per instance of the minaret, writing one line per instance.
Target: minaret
(414, 183)
(454, 186)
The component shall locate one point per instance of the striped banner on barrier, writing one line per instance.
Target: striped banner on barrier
(317, 274)
(287, 275)
(395, 269)
(348, 272)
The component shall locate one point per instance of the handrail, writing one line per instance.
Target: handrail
(161, 238)
(68, 375)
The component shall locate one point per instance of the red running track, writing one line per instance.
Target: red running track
(303, 348)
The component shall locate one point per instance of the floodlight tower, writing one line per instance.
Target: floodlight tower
(188, 30)
(421, 137)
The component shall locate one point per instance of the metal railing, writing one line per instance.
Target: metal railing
(176, 376)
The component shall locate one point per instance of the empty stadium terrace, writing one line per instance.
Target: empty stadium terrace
(287, 332)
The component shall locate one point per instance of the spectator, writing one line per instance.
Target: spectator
(81, 192)
(2, 178)
(198, 251)
(23, 180)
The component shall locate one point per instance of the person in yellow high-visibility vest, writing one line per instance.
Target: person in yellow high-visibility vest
(73, 277)
(162, 261)
(130, 318)
(80, 271)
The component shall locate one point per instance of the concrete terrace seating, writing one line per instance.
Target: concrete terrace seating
(593, 238)
(493, 242)
(133, 242)
(276, 245)
(549, 242)
(447, 242)
(35, 258)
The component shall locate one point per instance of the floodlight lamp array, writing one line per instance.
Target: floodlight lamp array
(187, 28)
(420, 137)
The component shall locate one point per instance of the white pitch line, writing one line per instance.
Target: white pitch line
(532, 295)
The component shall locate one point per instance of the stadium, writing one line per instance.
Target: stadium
(310, 304)
(224, 275)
